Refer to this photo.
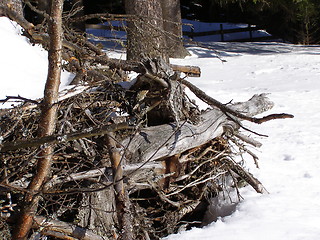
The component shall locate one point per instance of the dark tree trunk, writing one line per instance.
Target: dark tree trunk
(145, 30)
(15, 5)
(173, 29)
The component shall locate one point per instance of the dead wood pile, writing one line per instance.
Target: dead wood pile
(109, 165)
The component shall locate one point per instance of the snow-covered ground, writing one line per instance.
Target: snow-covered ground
(290, 156)
(23, 68)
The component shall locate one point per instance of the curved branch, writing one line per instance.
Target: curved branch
(225, 109)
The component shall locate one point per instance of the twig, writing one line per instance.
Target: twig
(36, 10)
(255, 183)
(248, 140)
(200, 180)
(18, 98)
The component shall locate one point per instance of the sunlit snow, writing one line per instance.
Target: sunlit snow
(290, 156)
(23, 67)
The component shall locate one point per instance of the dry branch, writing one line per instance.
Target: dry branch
(54, 227)
(214, 103)
(166, 140)
(139, 68)
(47, 123)
(4, 11)
(137, 177)
(255, 183)
(121, 195)
(54, 139)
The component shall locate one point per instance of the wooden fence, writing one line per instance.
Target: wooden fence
(250, 29)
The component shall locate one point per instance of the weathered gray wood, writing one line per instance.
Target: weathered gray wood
(156, 142)
(49, 227)
(137, 176)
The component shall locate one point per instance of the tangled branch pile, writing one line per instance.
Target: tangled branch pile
(164, 193)
(113, 161)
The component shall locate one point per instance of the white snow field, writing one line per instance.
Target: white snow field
(290, 156)
(23, 67)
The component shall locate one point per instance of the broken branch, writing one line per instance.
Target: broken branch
(54, 139)
(214, 103)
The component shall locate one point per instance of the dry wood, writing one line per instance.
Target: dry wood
(122, 199)
(191, 71)
(47, 123)
(54, 139)
(167, 140)
(137, 177)
(55, 228)
(139, 68)
(213, 102)
(4, 11)
(255, 183)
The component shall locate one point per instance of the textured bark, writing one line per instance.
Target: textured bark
(173, 28)
(47, 122)
(98, 212)
(63, 230)
(121, 195)
(145, 30)
(14, 5)
(157, 142)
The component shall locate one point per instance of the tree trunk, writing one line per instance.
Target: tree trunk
(98, 212)
(173, 29)
(14, 5)
(47, 122)
(145, 30)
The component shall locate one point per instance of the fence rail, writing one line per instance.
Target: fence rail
(193, 34)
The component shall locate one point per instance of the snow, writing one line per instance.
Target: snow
(23, 67)
(290, 156)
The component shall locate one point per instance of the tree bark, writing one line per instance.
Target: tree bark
(14, 5)
(121, 195)
(173, 28)
(145, 34)
(47, 121)
(157, 142)
(54, 227)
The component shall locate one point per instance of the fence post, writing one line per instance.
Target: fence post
(221, 32)
(250, 32)
(192, 32)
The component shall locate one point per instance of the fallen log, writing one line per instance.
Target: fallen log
(55, 227)
(156, 142)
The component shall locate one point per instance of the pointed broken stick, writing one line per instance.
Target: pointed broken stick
(225, 109)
